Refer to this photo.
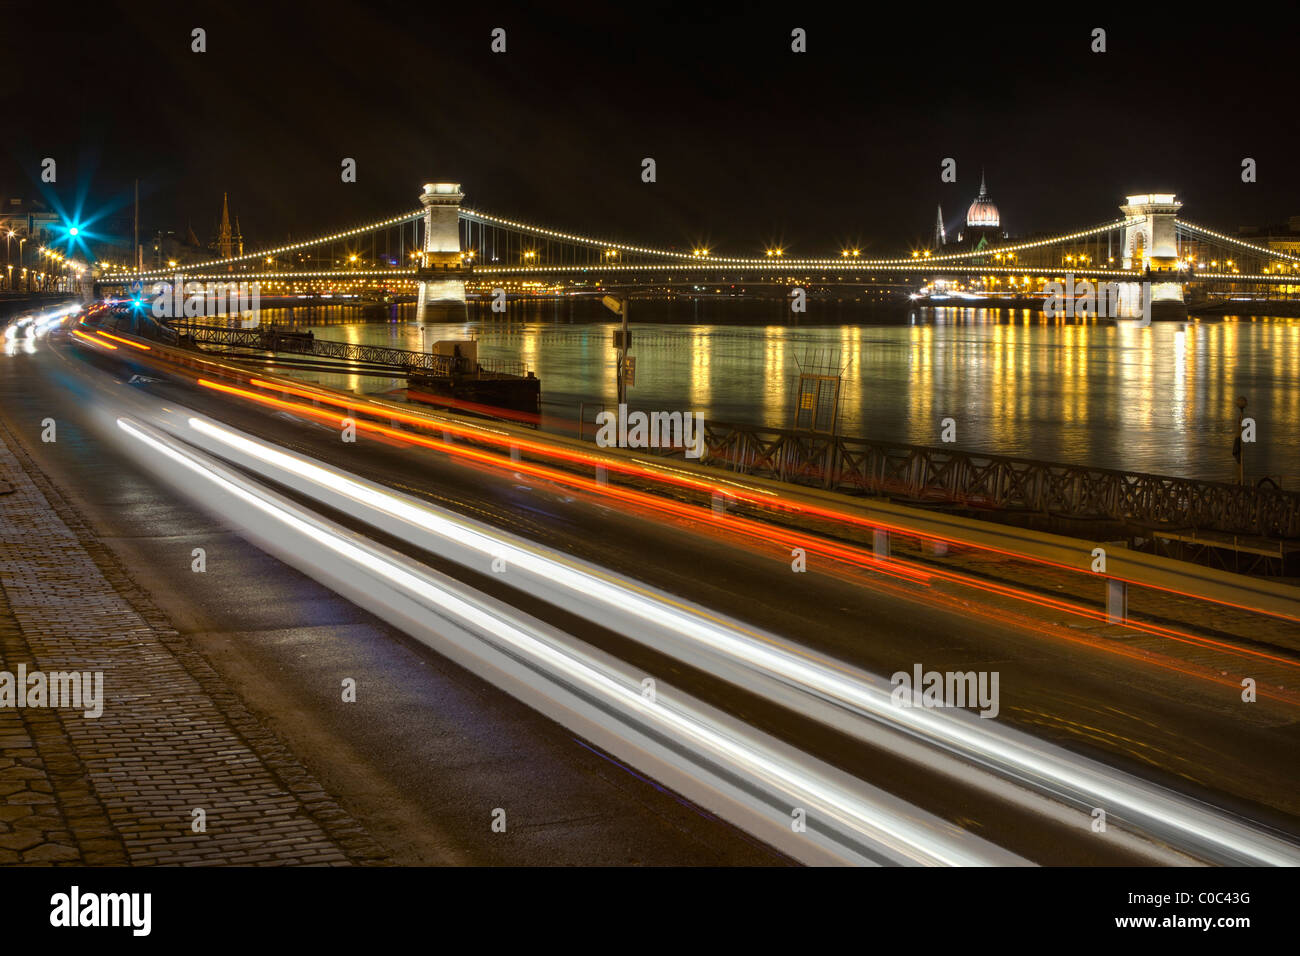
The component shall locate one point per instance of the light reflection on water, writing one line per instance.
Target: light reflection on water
(1159, 399)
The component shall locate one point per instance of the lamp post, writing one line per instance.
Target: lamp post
(622, 342)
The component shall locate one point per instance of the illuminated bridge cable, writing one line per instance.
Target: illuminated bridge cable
(697, 258)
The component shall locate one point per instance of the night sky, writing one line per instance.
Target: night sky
(754, 144)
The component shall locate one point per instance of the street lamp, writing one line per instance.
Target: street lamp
(622, 342)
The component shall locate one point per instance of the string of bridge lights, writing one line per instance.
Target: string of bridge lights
(1267, 253)
(761, 265)
(729, 260)
(472, 215)
(1037, 243)
(382, 224)
(766, 265)
(489, 220)
(697, 257)
(234, 278)
(689, 266)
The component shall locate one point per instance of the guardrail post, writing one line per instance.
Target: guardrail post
(880, 542)
(719, 505)
(514, 454)
(1116, 601)
(602, 478)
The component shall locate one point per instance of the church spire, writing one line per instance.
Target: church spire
(940, 234)
(224, 236)
(983, 189)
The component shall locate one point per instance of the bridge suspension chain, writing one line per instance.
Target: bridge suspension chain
(1262, 251)
(392, 221)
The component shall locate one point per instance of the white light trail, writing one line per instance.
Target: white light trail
(848, 815)
(672, 626)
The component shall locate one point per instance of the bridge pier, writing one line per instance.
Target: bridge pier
(442, 294)
(1152, 245)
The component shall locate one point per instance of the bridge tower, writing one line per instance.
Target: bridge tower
(1152, 244)
(442, 273)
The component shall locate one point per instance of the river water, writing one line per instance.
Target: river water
(1159, 399)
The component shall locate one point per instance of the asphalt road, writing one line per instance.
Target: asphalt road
(429, 750)
(436, 744)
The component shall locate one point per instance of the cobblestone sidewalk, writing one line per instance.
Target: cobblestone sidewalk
(123, 788)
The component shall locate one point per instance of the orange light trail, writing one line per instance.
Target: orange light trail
(94, 341)
(117, 338)
(488, 437)
(736, 523)
(738, 492)
(749, 528)
(429, 398)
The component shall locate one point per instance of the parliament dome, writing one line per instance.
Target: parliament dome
(983, 214)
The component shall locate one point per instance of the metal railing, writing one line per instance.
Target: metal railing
(933, 475)
(271, 338)
(502, 368)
